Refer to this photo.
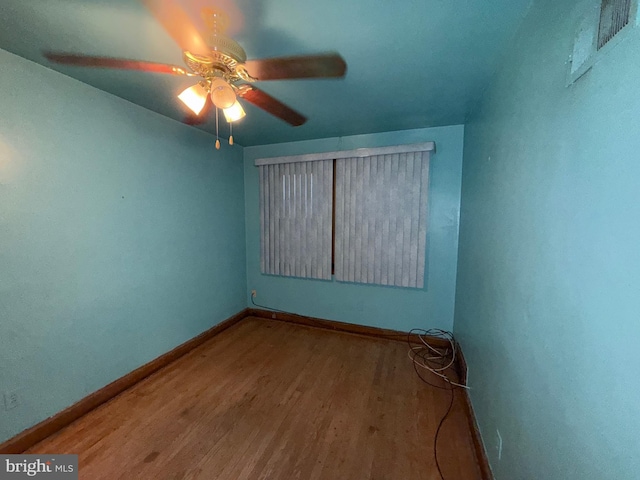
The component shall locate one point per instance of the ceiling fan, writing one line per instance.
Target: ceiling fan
(222, 65)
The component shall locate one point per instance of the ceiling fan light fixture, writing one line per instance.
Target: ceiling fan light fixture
(194, 97)
(234, 113)
(222, 94)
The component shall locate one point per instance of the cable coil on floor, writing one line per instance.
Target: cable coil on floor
(440, 362)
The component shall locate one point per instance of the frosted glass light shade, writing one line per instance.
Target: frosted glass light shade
(222, 94)
(234, 113)
(194, 97)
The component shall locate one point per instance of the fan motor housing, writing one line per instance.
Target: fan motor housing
(226, 54)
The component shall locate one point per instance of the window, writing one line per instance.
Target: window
(364, 209)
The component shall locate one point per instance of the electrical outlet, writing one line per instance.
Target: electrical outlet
(253, 294)
(11, 400)
(499, 444)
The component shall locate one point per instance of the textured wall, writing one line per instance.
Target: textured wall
(121, 236)
(549, 265)
(387, 307)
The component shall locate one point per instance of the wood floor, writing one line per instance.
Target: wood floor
(267, 399)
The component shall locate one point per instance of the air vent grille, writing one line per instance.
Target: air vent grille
(614, 16)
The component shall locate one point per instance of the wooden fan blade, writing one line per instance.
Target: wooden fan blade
(178, 25)
(108, 62)
(193, 119)
(328, 65)
(270, 105)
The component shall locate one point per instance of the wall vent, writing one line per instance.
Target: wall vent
(601, 25)
(614, 16)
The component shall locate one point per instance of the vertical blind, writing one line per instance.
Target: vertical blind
(381, 219)
(380, 215)
(295, 219)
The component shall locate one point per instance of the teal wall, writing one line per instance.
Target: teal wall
(548, 292)
(387, 307)
(121, 236)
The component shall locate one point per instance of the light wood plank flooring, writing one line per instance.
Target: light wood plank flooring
(270, 400)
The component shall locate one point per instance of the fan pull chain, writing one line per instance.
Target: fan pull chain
(217, 138)
(230, 133)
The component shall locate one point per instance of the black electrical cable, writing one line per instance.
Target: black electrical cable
(435, 439)
(271, 309)
(312, 321)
